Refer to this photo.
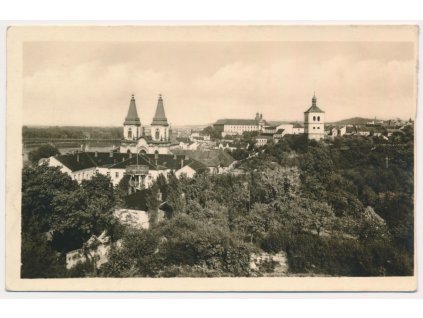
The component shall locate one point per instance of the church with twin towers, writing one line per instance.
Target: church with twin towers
(135, 140)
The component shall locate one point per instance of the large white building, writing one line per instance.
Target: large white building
(231, 127)
(314, 121)
(142, 169)
(135, 139)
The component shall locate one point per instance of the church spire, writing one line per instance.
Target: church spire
(132, 117)
(160, 117)
(314, 100)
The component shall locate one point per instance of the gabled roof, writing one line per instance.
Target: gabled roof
(132, 116)
(314, 108)
(197, 166)
(86, 160)
(297, 125)
(209, 158)
(76, 162)
(160, 117)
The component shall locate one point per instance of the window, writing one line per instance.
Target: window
(318, 118)
(314, 127)
(108, 173)
(129, 133)
(314, 118)
(116, 174)
(157, 134)
(318, 127)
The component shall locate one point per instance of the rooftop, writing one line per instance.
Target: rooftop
(86, 160)
(209, 158)
(132, 116)
(314, 108)
(234, 121)
(160, 116)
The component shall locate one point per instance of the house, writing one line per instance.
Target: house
(332, 131)
(297, 129)
(199, 136)
(287, 128)
(226, 145)
(143, 169)
(269, 129)
(216, 161)
(279, 134)
(363, 131)
(262, 140)
(350, 130)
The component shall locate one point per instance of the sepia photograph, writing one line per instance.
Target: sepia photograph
(224, 158)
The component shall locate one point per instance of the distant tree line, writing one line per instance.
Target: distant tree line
(74, 132)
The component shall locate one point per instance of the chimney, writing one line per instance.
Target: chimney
(156, 157)
(77, 157)
(130, 155)
(182, 163)
(96, 154)
(111, 154)
(186, 157)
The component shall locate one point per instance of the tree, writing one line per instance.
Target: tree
(275, 182)
(259, 221)
(214, 132)
(320, 217)
(175, 196)
(371, 226)
(192, 242)
(38, 258)
(44, 151)
(40, 186)
(82, 213)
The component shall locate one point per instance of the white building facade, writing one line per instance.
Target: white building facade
(135, 139)
(314, 121)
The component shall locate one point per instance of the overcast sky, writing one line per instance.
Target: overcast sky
(90, 83)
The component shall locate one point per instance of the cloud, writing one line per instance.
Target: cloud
(98, 93)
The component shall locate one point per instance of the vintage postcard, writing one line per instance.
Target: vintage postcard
(211, 158)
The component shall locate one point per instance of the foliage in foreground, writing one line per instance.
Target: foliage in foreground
(333, 208)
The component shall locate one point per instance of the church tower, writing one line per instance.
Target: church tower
(132, 124)
(160, 126)
(314, 121)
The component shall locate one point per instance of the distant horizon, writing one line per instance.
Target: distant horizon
(211, 124)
